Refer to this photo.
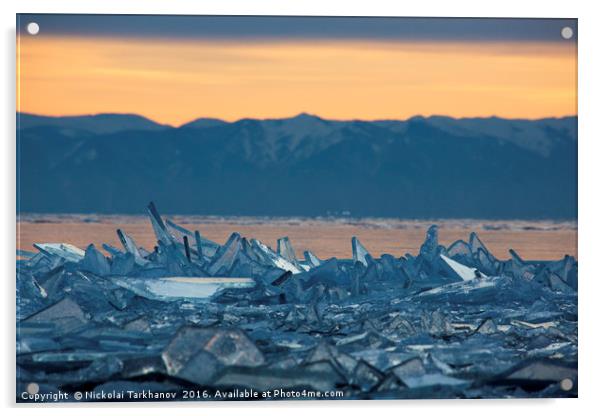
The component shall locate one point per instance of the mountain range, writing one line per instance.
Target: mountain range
(433, 167)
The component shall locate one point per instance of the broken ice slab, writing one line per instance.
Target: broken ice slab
(437, 324)
(39, 340)
(464, 272)
(123, 264)
(537, 373)
(286, 250)
(325, 352)
(31, 296)
(367, 339)
(475, 244)
(64, 251)
(360, 253)
(459, 249)
(382, 359)
(203, 245)
(224, 258)
(194, 350)
(409, 369)
(130, 246)
(158, 225)
(366, 376)
(273, 258)
(65, 308)
(64, 316)
(487, 327)
(174, 288)
(492, 289)
(430, 247)
(311, 259)
(484, 258)
(94, 261)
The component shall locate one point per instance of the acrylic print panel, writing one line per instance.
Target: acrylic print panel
(282, 208)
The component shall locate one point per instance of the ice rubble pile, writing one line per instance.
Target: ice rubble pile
(449, 322)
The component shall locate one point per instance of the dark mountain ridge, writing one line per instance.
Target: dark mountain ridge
(435, 167)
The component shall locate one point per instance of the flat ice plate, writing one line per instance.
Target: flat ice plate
(173, 288)
(206, 280)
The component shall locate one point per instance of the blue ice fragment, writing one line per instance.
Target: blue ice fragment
(437, 324)
(199, 245)
(409, 370)
(463, 272)
(94, 261)
(224, 258)
(177, 230)
(230, 347)
(459, 250)
(130, 246)
(158, 225)
(311, 259)
(517, 267)
(558, 285)
(487, 327)
(541, 370)
(492, 289)
(366, 376)
(63, 251)
(430, 247)
(285, 250)
(123, 264)
(475, 243)
(66, 308)
(359, 252)
(31, 296)
(270, 257)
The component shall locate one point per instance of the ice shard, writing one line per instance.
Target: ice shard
(430, 247)
(64, 251)
(311, 258)
(464, 272)
(227, 347)
(199, 246)
(541, 371)
(130, 246)
(65, 308)
(95, 262)
(159, 227)
(286, 250)
(359, 251)
(224, 258)
(192, 314)
(273, 258)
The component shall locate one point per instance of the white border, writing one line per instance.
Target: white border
(590, 207)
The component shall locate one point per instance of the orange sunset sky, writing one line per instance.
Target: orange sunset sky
(174, 80)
